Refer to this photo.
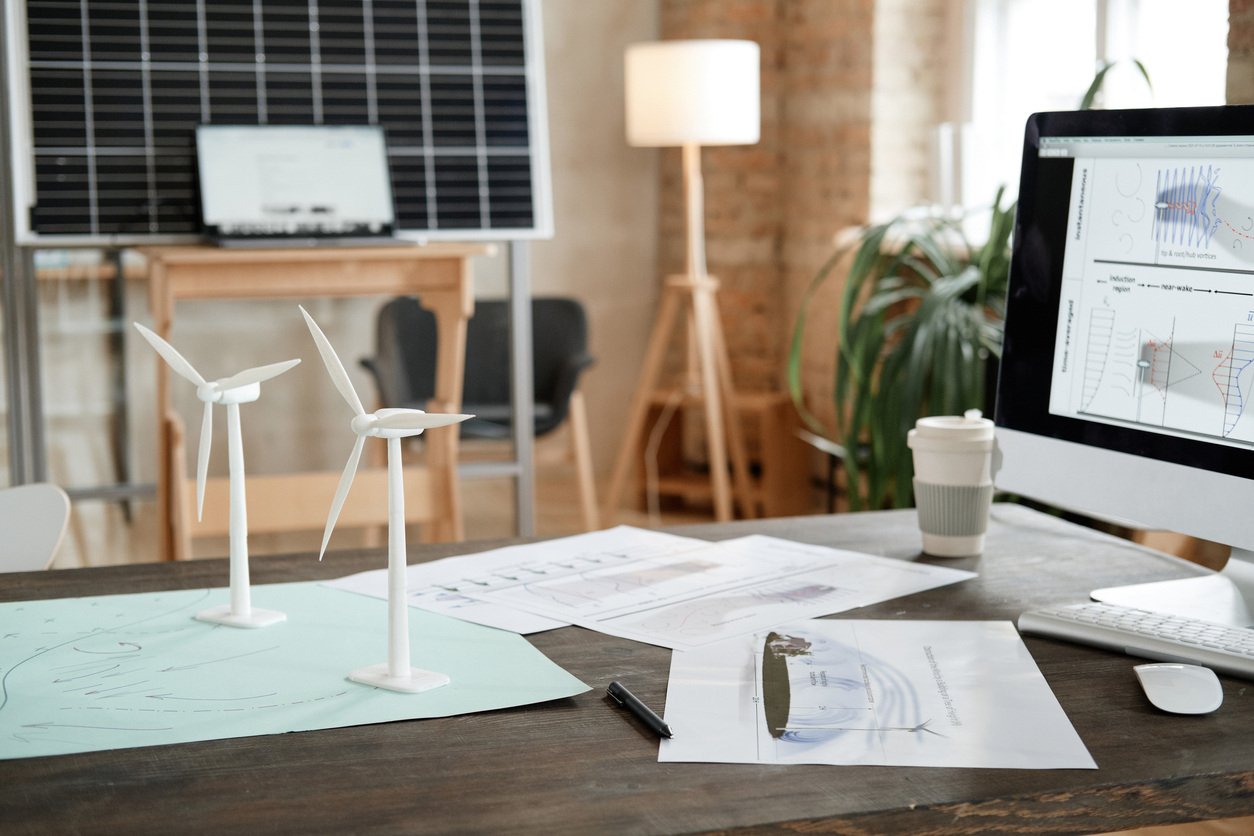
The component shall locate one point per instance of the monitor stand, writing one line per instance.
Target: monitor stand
(1226, 596)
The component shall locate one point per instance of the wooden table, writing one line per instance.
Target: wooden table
(438, 273)
(582, 766)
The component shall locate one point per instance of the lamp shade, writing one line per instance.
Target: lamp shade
(699, 92)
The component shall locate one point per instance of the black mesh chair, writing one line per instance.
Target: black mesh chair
(404, 371)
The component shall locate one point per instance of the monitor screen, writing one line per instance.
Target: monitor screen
(294, 180)
(1128, 359)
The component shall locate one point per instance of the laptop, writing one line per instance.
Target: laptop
(294, 185)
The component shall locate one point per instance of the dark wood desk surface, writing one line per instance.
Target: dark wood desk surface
(582, 766)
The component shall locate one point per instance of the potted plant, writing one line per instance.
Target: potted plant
(920, 331)
(920, 326)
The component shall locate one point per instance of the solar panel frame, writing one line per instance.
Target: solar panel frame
(111, 91)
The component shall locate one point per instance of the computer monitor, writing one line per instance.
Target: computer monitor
(276, 181)
(1128, 359)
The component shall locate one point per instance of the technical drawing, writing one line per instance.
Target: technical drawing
(590, 588)
(701, 620)
(1162, 366)
(815, 689)
(1185, 205)
(1101, 329)
(1128, 370)
(1227, 375)
(118, 671)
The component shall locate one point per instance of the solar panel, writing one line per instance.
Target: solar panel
(116, 90)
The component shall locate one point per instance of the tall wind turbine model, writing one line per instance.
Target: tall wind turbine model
(393, 424)
(244, 387)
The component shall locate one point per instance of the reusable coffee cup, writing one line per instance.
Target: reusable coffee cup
(953, 485)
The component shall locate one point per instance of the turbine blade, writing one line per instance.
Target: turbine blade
(334, 367)
(202, 459)
(418, 420)
(167, 352)
(256, 375)
(341, 492)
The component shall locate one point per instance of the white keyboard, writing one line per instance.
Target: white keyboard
(1152, 635)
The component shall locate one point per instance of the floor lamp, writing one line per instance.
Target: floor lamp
(688, 94)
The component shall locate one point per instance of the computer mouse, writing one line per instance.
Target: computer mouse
(1180, 689)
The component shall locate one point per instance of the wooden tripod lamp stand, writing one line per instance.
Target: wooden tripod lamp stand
(688, 94)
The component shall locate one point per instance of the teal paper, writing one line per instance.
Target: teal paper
(117, 671)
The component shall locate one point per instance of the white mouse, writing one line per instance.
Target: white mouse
(1181, 689)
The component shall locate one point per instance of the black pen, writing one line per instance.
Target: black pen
(626, 698)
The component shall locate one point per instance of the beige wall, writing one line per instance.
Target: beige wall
(605, 202)
(851, 94)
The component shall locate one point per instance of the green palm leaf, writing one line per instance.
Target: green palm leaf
(920, 318)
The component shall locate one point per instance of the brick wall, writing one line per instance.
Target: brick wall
(1240, 51)
(915, 73)
(742, 192)
(774, 209)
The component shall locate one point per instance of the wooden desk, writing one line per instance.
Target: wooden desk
(583, 766)
(438, 273)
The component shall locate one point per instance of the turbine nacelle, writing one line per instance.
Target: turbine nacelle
(215, 392)
(400, 423)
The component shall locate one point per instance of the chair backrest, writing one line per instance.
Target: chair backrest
(404, 366)
(32, 522)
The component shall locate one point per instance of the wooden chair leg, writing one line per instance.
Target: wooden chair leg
(582, 449)
(182, 494)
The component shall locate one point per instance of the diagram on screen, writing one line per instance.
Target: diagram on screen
(1229, 373)
(1186, 211)
(1129, 372)
(1156, 323)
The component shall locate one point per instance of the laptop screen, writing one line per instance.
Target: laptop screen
(272, 181)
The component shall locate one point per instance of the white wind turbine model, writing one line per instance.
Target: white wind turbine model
(244, 387)
(392, 424)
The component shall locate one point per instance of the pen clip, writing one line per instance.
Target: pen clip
(610, 692)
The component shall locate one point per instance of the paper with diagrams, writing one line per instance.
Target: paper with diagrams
(445, 585)
(870, 692)
(118, 671)
(690, 596)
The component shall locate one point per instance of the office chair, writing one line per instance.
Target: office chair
(404, 371)
(33, 518)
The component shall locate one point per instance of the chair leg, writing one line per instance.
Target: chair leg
(182, 502)
(582, 449)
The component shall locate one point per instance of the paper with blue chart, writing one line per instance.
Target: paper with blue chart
(118, 671)
(870, 692)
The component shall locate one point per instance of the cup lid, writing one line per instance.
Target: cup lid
(969, 426)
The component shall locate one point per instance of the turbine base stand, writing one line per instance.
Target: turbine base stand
(418, 680)
(253, 619)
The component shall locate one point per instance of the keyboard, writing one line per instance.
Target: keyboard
(1151, 635)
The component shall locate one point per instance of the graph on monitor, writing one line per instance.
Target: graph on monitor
(1156, 317)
